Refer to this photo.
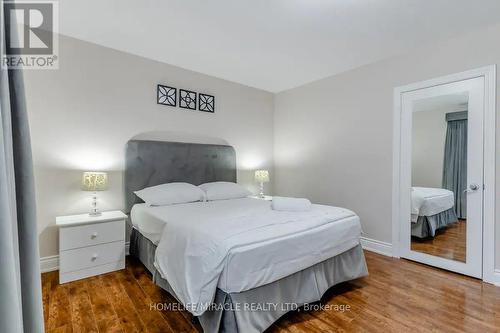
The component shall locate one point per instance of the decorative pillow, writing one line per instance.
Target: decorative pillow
(170, 194)
(224, 190)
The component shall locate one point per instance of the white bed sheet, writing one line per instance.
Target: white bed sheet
(426, 201)
(240, 244)
(144, 220)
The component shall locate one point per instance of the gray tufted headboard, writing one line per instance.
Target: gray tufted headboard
(149, 163)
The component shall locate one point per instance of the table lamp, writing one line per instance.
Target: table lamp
(93, 182)
(262, 176)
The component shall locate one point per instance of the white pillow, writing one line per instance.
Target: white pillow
(224, 190)
(170, 193)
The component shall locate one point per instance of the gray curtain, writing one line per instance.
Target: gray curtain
(455, 160)
(20, 283)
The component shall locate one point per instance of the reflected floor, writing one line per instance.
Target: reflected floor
(449, 242)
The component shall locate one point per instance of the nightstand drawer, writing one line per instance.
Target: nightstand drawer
(91, 234)
(86, 257)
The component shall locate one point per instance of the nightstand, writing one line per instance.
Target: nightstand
(266, 197)
(90, 245)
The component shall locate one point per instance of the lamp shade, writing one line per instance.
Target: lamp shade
(262, 176)
(94, 181)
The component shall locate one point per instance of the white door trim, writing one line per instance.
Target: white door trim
(489, 74)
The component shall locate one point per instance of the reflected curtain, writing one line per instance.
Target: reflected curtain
(455, 160)
(20, 282)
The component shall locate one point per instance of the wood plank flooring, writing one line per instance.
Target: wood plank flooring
(397, 296)
(449, 242)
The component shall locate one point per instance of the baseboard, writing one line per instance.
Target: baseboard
(496, 281)
(51, 263)
(376, 246)
(127, 248)
(385, 249)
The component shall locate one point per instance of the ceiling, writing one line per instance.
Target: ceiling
(273, 45)
(453, 102)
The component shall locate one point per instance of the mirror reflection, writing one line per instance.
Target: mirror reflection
(439, 176)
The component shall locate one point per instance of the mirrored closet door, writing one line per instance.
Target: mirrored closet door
(442, 175)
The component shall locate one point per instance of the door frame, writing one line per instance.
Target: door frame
(489, 74)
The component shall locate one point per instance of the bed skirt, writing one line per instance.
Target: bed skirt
(256, 309)
(426, 226)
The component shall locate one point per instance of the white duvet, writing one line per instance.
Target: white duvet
(426, 201)
(240, 244)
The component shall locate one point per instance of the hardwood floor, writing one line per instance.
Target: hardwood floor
(397, 296)
(449, 242)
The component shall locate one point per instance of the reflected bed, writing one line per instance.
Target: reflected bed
(432, 209)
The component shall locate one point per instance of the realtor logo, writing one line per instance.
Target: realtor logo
(31, 36)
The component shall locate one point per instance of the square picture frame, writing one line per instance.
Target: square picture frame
(206, 103)
(166, 95)
(187, 99)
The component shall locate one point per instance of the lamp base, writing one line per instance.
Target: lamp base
(94, 212)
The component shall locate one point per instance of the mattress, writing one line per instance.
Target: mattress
(293, 246)
(146, 222)
(426, 201)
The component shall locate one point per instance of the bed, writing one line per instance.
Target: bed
(236, 264)
(431, 209)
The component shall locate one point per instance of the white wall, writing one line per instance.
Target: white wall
(82, 115)
(333, 137)
(429, 135)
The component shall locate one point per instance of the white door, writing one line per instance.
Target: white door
(441, 176)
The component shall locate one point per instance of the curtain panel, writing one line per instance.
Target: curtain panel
(20, 282)
(455, 160)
